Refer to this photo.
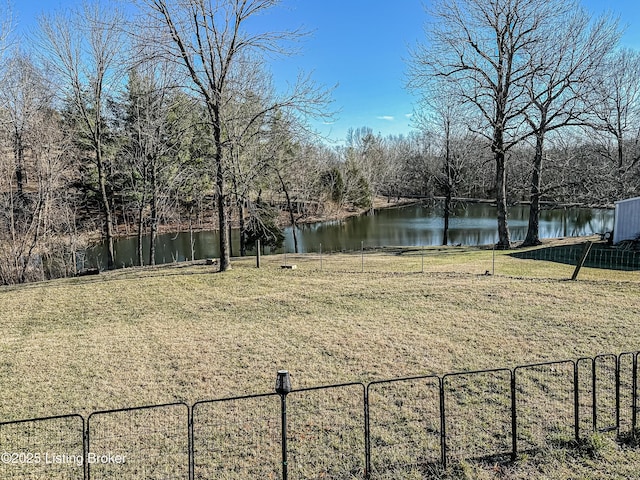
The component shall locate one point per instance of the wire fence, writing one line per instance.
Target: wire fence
(623, 259)
(399, 428)
(236, 438)
(600, 255)
(405, 426)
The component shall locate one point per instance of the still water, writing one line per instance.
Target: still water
(415, 225)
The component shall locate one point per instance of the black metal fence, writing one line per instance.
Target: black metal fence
(383, 430)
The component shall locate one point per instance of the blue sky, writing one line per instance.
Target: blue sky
(359, 45)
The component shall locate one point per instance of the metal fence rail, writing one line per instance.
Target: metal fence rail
(545, 407)
(605, 379)
(43, 448)
(326, 432)
(399, 428)
(236, 438)
(404, 426)
(471, 402)
(145, 442)
(627, 392)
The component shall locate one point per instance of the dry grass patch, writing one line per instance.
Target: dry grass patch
(154, 336)
(151, 336)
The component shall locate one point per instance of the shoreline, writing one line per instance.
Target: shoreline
(332, 215)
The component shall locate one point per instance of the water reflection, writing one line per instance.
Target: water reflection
(416, 225)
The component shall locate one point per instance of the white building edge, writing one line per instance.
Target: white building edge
(627, 220)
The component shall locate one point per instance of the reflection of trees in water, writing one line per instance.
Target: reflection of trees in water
(573, 222)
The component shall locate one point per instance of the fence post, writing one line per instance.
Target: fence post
(443, 426)
(594, 397)
(192, 455)
(576, 400)
(367, 435)
(257, 253)
(583, 258)
(493, 261)
(634, 396)
(618, 396)
(320, 257)
(85, 448)
(283, 387)
(514, 418)
(87, 468)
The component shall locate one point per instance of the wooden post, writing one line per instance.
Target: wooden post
(583, 258)
(493, 264)
(258, 254)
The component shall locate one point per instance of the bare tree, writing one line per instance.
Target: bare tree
(615, 108)
(284, 160)
(480, 47)
(573, 51)
(23, 97)
(83, 50)
(7, 26)
(417, 160)
(250, 144)
(157, 119)
(34, 235)
(443, 118)
(210, 40)
(367, 153)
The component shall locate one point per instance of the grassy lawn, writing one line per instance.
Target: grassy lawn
(185, 333)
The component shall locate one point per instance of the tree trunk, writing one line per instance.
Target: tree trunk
(153, 234)
(621, 173)
(504, 240)
(106, 207)
(191, 244)
(620, 141)
(225, 257)
(141, 227)
(19, 157)
(290, 209)
(230, 229)
(243, 233)
(447, 213)
(448, 182)
(533, 231)
(223, 222)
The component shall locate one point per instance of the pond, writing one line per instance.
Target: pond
(414, 225)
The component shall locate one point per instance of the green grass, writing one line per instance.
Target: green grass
(185, 333)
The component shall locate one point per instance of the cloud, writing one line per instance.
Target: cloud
(387, 118)
(408, 115)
